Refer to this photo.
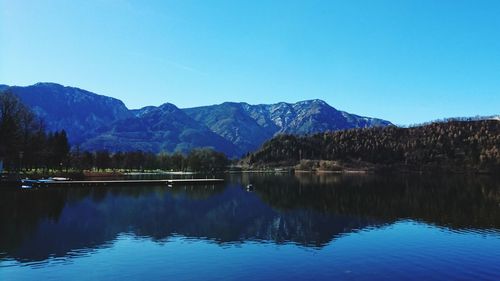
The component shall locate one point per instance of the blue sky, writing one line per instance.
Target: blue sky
(405, 61)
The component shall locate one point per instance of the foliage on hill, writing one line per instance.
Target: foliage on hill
(453, 145)
(23, 140)
(197, 160)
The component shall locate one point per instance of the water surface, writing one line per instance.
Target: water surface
(289, 227)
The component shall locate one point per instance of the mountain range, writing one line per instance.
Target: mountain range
(95, 122)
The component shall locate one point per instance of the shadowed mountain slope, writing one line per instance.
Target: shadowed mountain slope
(98, 122)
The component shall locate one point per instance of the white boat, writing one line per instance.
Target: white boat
(59, 179)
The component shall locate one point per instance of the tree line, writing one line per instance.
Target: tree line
(26, 145)
(458, 145)
(197, 160)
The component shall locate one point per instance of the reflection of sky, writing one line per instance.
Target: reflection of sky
(405, 250)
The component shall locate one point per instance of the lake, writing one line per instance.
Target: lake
(302, 227)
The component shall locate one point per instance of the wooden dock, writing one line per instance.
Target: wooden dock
(43, 183)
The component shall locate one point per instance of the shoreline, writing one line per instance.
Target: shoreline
(9, 179)
(381, 170)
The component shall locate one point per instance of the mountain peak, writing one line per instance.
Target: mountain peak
(48, 84)
(313, 101)
(168, 106)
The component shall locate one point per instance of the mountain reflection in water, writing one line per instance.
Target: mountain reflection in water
(305, 210)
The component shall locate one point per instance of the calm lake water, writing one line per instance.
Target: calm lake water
(304, 227)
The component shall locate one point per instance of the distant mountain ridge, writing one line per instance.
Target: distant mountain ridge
(99, 122)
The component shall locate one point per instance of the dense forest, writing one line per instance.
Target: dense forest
(23, 140)
(26, 146)
(452, 145)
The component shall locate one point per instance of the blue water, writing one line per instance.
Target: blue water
(288, 228)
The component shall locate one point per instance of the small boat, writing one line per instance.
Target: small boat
(250, 187)
(59, 179)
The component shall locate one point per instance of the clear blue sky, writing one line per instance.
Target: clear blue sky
(405, 61)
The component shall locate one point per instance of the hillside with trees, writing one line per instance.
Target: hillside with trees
(23, 140)
(454, 145)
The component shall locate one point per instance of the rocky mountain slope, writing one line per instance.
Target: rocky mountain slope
(249, 126)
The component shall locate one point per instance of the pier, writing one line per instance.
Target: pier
(50, 183)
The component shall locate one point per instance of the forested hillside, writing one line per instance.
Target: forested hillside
(23, 139)
(452, 145)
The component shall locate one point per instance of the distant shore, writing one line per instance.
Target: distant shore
(365, 168)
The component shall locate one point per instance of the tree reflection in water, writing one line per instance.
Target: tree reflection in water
(307, 210)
